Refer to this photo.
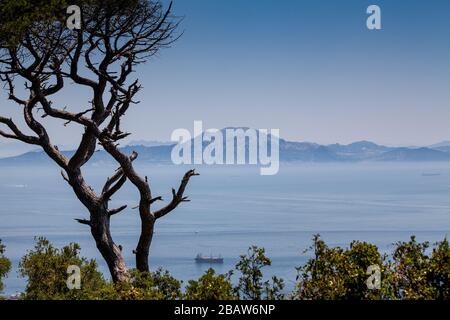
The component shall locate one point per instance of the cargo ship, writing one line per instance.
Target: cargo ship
(208, 259)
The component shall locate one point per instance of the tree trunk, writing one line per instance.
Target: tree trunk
(100, 229)
(143, 247)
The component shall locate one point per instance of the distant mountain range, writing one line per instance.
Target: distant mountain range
(359, 151)
(149, 143)
(290, 151)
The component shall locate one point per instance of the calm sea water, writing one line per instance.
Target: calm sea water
(233, 208)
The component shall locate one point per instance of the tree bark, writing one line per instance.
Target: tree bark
(143, 247)
(100, 229)
(99, 223)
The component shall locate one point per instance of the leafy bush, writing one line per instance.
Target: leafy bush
(158, 285)
(439, 275)
(167, 286)
(337, 273)
(46, 269)
(413, 271)
(418, 275)
(251, 285)
(5, 265)
(210, 287)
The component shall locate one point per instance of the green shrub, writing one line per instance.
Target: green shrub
(414, 271)
(336, 273)
(45, 268)
(439, 275)
(418, 275)
(210, 287)
(158, 285)
(5, 265)
(251, 285)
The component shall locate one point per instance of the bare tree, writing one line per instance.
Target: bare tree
(115, 38)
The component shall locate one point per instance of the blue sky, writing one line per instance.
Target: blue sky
(308, 67)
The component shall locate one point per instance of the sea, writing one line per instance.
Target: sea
(232, 208)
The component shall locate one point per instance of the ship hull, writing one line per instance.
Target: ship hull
(209, 260)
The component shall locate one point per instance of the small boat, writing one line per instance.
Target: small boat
(211, 259)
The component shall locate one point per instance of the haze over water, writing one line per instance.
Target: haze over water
(233, 208)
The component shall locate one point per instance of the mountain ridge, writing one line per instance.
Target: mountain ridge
(290, 151)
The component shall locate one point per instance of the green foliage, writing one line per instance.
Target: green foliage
(168, 287)
(336, 273)
(273, 290)
(418, 275)
(251, 285)
(439, 275)
(5, 265)
(210, 287)
(410, 265)
(158, 285)
(20, 16)
(46, 269)
(415, 271)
